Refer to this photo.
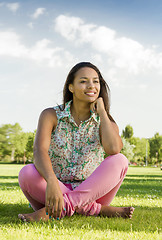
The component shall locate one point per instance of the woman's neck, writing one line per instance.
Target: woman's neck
(80, 111)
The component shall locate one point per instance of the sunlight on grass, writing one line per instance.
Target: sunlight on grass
(141, 189)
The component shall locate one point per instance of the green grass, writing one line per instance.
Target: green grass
(141, 189)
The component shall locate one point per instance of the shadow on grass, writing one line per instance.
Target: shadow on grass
(141, 186)
(8, 177)
(144, 219)
(144, 176)
(130, 183)
(8, 185)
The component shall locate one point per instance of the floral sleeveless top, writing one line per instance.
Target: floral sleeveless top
(75, 151)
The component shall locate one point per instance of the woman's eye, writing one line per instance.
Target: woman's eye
(83, 81)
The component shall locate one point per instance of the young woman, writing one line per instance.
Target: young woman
(70, 173)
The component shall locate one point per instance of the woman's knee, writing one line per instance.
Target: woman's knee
(27, 173)
(123, 159)
(118, 159)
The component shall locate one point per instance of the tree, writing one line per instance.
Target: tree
(14, 132)
(4, 141)
(7, 136)
(29, 146)
(128, 132)
(14, 143)
(20, 141)
(141, 149)
(156, 147)
(127, 149)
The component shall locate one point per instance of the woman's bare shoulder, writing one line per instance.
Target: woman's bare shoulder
(48, 115)
(49, 111)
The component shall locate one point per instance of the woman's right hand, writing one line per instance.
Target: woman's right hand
(54, 204)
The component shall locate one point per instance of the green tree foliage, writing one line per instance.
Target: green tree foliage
(8, 134)
(141, 149)
(127, 132)
(127, 149)
(29, 146)
(14, 143)
(156, 147)
(20, 142)
(145, 150)
(5, 149)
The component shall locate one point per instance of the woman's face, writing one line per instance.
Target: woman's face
(86, 85)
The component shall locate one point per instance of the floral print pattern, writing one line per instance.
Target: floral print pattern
(75, 151)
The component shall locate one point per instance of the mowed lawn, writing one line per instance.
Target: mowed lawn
(142, 188)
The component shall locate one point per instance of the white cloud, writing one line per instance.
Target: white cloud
(121, 52)
(30, 25)
(11, 46)
(53, 57)
(68, 27)
(40, 51)
(38, 12)
(13, 7)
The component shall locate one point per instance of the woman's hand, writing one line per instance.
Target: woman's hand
(109, 131)
(98, 105)
(54, 199)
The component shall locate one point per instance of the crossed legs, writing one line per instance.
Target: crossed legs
(91, 197)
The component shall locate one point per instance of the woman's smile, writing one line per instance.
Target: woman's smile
(90, 94)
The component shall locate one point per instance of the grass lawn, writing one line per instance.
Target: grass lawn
(142, 188)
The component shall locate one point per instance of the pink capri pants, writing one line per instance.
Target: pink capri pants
(98, 189)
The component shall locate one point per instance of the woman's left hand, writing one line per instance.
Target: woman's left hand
(97, 105)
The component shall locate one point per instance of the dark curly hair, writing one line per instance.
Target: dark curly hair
(104, 88)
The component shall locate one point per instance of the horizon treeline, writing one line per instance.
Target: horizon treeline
(17, 146)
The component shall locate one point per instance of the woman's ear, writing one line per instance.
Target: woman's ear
(71, 88)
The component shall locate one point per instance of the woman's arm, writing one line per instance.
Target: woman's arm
(54, 198)
(109, 132)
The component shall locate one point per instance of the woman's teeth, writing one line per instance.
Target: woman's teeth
(91, 94)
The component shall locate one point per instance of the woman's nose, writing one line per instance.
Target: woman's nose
(90, 85)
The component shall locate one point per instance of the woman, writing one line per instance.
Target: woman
(69, 173)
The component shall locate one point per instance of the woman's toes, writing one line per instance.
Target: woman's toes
(132, 209)
(131, 212)
(22, 217)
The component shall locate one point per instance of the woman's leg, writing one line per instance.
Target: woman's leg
(107, 199)
(87, 198)
(100, 187)
(34, 185)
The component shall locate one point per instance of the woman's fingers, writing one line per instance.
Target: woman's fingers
(54, 202)
(50, 210)
(60, 209)
(93, 106)
(55, 209)
(47, 204)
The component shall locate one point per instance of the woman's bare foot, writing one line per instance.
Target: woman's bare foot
(110, 211)
(35, 216)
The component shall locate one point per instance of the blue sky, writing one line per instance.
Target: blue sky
(41, 40)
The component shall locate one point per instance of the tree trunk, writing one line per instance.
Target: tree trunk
(12, 154)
